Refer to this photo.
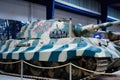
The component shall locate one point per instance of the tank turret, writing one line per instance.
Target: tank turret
(59, 29)
(79, 30)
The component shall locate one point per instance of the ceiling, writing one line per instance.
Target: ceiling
(113, 3)
(116, 5)
(42, 2)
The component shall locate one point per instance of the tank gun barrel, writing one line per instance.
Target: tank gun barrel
(81, 30)
(93, 27)
(107, 24)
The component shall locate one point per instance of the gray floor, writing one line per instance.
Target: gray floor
(5, 77)
(117, 77)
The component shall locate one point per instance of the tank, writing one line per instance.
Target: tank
(112, 36)
(57, 42)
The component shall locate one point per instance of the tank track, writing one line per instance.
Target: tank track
(102, 65)
(93, 64)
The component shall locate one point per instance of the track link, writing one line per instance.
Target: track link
(102, 64)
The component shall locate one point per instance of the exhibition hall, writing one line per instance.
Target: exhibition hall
(59, 39)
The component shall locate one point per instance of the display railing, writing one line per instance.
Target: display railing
(93, 73)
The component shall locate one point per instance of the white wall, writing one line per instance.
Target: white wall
(76, 18)
(114, 28)
(20, 10)
(38, 12)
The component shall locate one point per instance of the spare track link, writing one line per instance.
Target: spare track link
(102, 64)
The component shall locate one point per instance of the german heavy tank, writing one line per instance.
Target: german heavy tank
(55, 42)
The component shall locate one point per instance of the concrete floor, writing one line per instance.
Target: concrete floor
(107, 78)
(101, 77)
(5, 77)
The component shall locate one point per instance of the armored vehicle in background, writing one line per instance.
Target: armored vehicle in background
(57, 42)
(9, 28)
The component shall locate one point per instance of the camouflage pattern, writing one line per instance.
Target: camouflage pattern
(48, 40)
